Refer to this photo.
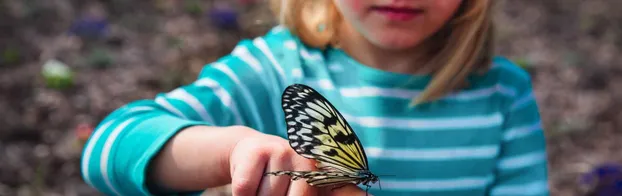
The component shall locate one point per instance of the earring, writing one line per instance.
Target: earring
(321, 27)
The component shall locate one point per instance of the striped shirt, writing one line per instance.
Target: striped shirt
(484, 140)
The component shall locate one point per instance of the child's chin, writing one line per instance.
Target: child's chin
(396, 40)
(395, 43)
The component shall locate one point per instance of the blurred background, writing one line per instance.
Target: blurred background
(66, 64)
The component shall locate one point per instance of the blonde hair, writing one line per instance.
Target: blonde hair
(465, 43)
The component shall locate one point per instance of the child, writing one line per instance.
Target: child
(474, 128)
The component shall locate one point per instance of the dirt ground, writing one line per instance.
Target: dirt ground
(571, 47)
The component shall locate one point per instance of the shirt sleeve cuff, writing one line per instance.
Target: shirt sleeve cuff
(140, 145)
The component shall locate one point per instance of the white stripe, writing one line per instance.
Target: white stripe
(86, 158)
(521, 102)
(431, 124)
(249, 59)
(243, 53)
(252, 106)
(106, 153)
(522, 161)
(508, 91)
(534, 188)
(370, 91)
(519, 132)
(494, 66)
(297, 73)
(263, 46)
(484, 92)
(290, 44)
(222, 95)
(308, 55)
(193, 102)
(321, 83)
(437, 154)
(166, 105)
(278, 28)
(139, 109)
(435, 185)
(335, 67)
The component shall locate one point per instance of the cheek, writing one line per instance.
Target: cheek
(446, 8)
(448, 3)
(355, 6)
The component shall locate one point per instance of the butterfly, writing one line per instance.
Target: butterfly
(316, 130)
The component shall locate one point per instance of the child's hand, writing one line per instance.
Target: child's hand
(251, 157)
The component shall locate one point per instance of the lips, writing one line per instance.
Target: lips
(398, 13)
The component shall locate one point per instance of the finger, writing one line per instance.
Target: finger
(276, 185)
(247, 173)
(347, 190)
(300, 187)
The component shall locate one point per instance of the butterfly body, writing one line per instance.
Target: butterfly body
(316, 130)
(323, 179)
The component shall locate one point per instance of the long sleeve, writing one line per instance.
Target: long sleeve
(238, 89)
(522, 166)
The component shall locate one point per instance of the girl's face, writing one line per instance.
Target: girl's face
(397, 24)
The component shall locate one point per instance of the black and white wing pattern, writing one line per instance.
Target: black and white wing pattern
(316, 130)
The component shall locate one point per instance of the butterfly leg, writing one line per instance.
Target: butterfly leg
(367, 189)
(294, 175)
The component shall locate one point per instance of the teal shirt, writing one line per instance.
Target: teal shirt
(484, 140)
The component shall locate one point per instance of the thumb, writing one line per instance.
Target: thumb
(347, 190)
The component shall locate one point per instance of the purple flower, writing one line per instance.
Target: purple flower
(224, 18)
(604, 180)
(89, 27)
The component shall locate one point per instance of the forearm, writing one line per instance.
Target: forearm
(196, 158)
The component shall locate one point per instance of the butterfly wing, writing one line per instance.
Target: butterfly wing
(318, 131)
(321, 178)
